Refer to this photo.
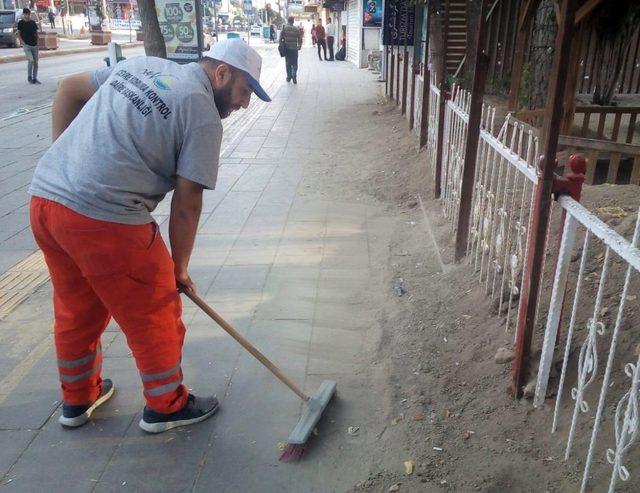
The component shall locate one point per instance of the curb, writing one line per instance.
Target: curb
(70, 51)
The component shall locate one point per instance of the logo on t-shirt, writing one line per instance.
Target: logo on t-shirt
(161, 81)
(164, 82)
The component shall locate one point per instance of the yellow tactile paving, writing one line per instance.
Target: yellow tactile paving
(20, 281)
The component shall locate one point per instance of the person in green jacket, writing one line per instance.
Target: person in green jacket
(291, 38)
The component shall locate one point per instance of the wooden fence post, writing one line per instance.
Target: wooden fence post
(443, 100)
(405, 59)
(426, 87)
(542, 201)
(473, 136)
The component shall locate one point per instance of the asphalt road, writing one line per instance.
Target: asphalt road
(18, 95)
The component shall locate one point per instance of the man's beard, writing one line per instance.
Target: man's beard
(222, 98)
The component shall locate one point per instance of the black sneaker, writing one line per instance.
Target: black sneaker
(30, 79)
(295, 80)
(74, 416)
(36, 81)
(197, 409)
(288, 79)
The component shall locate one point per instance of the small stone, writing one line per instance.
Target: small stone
(529, 390)
(504, 355)
(394, 487)
(408, 467)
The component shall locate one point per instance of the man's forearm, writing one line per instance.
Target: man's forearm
(183, 225)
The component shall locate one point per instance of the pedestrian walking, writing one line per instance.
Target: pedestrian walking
(331, 36)
(291, 40)
(272, 33)
(321, 39)
(51, 15)
(313, 35)
(28, 34)
(122, 139)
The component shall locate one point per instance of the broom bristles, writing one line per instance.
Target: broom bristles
(292, 453)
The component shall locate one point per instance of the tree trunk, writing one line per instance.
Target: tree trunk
(614, 26)
(153, 40)
(542, 48)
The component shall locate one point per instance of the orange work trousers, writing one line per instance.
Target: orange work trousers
(100, 270)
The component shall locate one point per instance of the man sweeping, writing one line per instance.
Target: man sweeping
(123, 138)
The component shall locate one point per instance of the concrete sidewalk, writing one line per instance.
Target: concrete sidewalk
(285, 258)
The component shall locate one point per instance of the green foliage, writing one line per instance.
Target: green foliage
(499, 86)
(451, 80)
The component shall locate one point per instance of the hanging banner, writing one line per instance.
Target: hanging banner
(181, 25)
(398, 26)
(372, 13)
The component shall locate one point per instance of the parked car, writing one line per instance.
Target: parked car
(256, 30)
(8, 28)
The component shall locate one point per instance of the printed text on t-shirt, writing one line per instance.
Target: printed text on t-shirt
(143, 98)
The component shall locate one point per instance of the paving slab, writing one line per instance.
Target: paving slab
(283, 264)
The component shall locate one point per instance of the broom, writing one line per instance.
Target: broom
(314, 405)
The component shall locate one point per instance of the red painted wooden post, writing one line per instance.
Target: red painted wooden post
(542, 202)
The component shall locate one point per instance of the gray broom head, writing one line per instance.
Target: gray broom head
(312, 413)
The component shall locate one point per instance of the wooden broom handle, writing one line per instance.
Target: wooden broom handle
(245, 343)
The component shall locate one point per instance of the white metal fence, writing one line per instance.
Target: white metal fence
(456, 124)
(595, 271)
(604, 257)
(505, 186)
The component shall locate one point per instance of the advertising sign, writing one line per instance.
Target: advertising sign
(94, 12)
(399, 21)
(372, 13)
(181, 25)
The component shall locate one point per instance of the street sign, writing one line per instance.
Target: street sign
(181, 26)
(399, 19)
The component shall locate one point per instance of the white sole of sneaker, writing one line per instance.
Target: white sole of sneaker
(168, 425)
(83, 418)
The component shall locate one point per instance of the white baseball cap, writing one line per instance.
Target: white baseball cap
(241, 56)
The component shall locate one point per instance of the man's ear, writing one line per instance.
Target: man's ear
(222, 74)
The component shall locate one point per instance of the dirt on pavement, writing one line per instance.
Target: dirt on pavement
(448, 418)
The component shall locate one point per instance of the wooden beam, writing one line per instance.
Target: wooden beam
(586, 9)
(556, 8)
(572, 80)
(604, 146)
(542, 202)
(473, 136)
(528, 10)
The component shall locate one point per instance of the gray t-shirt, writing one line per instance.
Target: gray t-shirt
(149, 120)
